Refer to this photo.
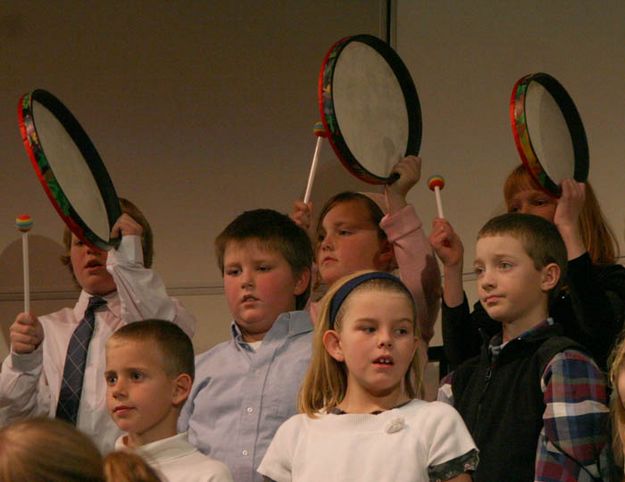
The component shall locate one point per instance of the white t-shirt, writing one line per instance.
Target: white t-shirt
(398, 445)
(176, 460)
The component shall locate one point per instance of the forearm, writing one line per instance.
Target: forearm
(453, 293)
(23, 392)
(395, 201)
(141, 290)
(461, 337)
(573, 240)
(417, 266)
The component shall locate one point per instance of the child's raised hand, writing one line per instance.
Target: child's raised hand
(448, 247)
(26, 333)
(126, 226)
(302, 214)
(446, 243)
(570, 204)
(567, 214)
(409, 170)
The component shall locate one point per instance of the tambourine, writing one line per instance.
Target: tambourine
(69, 167)
(369, 107)
(548, 131)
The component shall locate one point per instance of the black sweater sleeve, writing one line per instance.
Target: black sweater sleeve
(463, 331)
(597, 299)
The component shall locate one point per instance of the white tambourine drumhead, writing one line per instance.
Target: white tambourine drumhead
(369, 107)
(548, 131)
(69, 168)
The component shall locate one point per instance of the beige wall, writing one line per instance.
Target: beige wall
(465, 58)
(201, 109)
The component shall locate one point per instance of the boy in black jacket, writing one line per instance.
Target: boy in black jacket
(535, 403)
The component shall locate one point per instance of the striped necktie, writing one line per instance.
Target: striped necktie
(74, 370)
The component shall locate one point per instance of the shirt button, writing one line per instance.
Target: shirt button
(250, 410)
(244, 452)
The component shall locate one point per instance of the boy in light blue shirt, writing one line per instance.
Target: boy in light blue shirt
(247, 386)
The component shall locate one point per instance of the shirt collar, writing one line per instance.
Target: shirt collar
(166, 448)
(113, 304)
(496, 342)
(290, 324)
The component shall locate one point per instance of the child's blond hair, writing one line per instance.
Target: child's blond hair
(616, 362)
(325, 383)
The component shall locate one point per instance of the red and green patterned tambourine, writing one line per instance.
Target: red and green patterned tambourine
(548, 131)
(369, 107)
(69, 167)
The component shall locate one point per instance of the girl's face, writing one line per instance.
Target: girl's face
(376, 341)
(349, 242)
(533, 201)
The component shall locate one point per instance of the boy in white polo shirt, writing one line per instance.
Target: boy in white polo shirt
(149, 373)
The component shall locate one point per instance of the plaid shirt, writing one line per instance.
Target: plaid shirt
(572, 446)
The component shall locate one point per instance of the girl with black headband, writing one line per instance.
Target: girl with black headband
(360, 417)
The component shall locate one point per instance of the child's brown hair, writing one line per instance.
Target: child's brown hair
(375, 212)
(48, 450)
(273, 231)
(173, 344)
(45, 449)
(540, 238)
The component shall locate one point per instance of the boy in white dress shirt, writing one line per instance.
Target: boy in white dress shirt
(149, 372)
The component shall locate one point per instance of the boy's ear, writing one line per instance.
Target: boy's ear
(550, 277)
(181, 389)
(301, 282)
(332, 343)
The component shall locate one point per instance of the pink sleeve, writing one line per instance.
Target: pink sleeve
(418, 268)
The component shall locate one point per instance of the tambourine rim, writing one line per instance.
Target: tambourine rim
(46, 175)
(522, 139)
(409, 93)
